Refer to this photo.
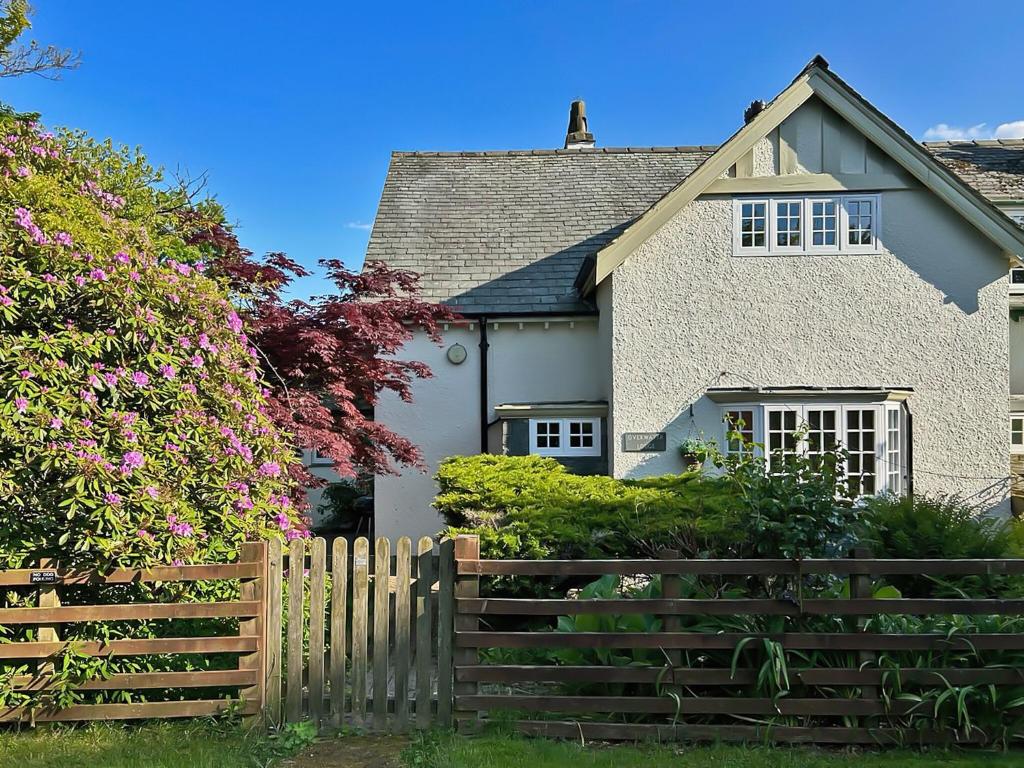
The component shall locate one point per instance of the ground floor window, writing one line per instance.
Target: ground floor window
(1017, 433)
(872, 436)
(565, 437)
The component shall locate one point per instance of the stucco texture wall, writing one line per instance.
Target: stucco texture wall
(928, 312)
(560, 363)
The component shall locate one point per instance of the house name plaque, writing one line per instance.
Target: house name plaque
(643, 442)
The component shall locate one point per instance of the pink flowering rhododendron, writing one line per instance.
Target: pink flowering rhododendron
(139, 425)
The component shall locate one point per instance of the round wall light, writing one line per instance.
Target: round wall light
(456, 354)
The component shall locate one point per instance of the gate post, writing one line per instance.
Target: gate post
(467, 585)
(255, 590)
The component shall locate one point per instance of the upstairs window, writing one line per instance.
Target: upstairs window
(806, 225)
(565, 437)
(753, 224)
(1016, 433)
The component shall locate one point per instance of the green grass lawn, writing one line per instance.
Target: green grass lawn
(202, 745)
(163, 745)
(499, 751)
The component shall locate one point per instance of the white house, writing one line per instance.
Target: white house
(819, 269)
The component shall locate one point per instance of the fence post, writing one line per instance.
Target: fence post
(48, 633)
(860, 588)
(403, 632)
(296, 597)
(381, 615)
(445, 629)
(255, 590)
(274, 636)
(339, 617)
(317, 619)
(424, 584)
(360, 621)
(467, 585)
(672, 589)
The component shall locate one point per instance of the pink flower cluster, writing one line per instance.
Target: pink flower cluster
(23, 218)
(178, 528)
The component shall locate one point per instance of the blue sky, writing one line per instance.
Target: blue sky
(293, 108)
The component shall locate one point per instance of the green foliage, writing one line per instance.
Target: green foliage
(942, 528)
(532, 507)
(133, 426)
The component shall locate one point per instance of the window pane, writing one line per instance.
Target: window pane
(740, 430)
(894, 451)
(824, 222)
(860, 216)
(861, 445)
(788, 223)
(753, 225)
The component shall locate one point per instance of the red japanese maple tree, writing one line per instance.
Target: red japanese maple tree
(327, 360)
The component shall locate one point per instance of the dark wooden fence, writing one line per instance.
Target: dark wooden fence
(40, 654)
(682, 693)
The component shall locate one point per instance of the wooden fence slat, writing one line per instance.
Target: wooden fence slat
(317, 619)
(126, 681)
(296, 620)
(66, 577)
(140, 710)
(742, 733)
(254, 590)
(446, 632)
(702, 705)
(511, 674)
(467, 587)
(339, 618)
(381, 616)
(424, 646)
(69, 614)
(274, 636)
(47, 633)
(741, 567)
(403, 632)
(728, 641)
(360, 600)
(200, 645)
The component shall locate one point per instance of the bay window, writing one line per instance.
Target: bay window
(871, 435)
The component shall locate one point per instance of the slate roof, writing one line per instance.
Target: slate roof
(995, 167)
(507, 232)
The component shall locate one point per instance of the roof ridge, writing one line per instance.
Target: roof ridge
(975, 143)
(542, 152)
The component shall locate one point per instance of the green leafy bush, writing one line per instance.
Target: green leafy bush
(532, 507)
(133, 422)
(942, 528)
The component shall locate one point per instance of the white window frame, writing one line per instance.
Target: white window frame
(886, 478)
(773, 225)
(876, 212)
(754, 428)
(1016, 286)
(752, 250)
(1015, 419)
(842, 245)
(564, 430)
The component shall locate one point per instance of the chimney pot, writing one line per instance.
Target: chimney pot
(756, 108)
(577, 135)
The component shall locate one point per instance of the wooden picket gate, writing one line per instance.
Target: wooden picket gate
(369, 640)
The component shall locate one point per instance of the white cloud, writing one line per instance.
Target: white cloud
(359, 225)
(1014, 130)
(946, 132)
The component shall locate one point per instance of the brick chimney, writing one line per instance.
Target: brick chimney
(577, 136)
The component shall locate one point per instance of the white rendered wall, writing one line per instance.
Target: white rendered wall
(531, 364)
